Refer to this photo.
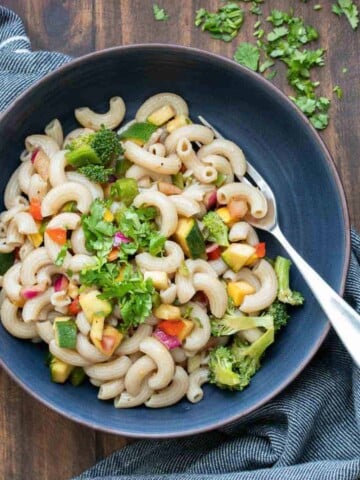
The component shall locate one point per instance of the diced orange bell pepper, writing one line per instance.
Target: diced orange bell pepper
(35, 209)
(172, 327)
(260, 249)
(58, 235)
(113, 255)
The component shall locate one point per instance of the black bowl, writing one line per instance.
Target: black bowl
(281, 144)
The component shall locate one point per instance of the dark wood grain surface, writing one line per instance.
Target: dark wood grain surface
(36, 443)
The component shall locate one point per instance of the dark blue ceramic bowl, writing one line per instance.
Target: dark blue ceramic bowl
(280, 143)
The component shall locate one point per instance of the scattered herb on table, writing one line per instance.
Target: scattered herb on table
(159, 13)
(339, 92)
(224, 24)
(349, 9)
(248, 54)
(287, 42)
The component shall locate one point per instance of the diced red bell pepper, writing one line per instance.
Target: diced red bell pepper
(213, 252)
(74, 307)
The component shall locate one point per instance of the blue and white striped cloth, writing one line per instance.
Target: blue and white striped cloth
(309, 432)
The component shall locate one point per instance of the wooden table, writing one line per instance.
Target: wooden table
(36, 443)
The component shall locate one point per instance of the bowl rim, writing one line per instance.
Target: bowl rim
(220, 59)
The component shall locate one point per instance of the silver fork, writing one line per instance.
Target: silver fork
(343, 318)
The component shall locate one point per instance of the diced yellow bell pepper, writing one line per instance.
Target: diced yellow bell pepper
(177, 122)
(224, 214)
(188, 326)
(167, 312)
(160, 280)
(97, 327)
(36, 239)
(238, 290)
(110, 341)
(162, 115)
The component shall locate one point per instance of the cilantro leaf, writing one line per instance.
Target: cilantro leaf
(159, 13)
(339, 91)
(61, 255)
(224, 24)
(98, 233)
(139, 225)
(248, 55)
(349, 9)
(132, 293)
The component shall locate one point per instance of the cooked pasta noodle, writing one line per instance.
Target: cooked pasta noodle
(227, 149)
(111, 119)
(196, 380)
(142, 158)
(160, 100)
(167, 209)
(55, 131)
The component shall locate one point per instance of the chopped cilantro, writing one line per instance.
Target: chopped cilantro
(224, 24)
(287, 42)
(159, 13)
(61, 255)
(133, 294)
(139, 225)
(349, 9)
(339, 92)
(98, 233)
(248, 55)
(317, 7)
(344, 70)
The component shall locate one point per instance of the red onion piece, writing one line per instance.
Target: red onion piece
(211, 200)
(33, 155)
(120, 238)
(169, 341)
(61, 283)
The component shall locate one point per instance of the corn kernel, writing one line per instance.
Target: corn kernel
(108, 216)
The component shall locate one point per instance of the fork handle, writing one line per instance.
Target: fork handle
(343, 318)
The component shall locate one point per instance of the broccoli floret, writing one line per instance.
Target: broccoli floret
(279, 313)
(216, 228)
(247, 356)
(98, 148)
(221, 363)
(236, 322)
(96, 173)
(285, 294)
(125, 189)
(233, 367)
(106, 144)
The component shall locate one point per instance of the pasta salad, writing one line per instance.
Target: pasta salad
(130, 253)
